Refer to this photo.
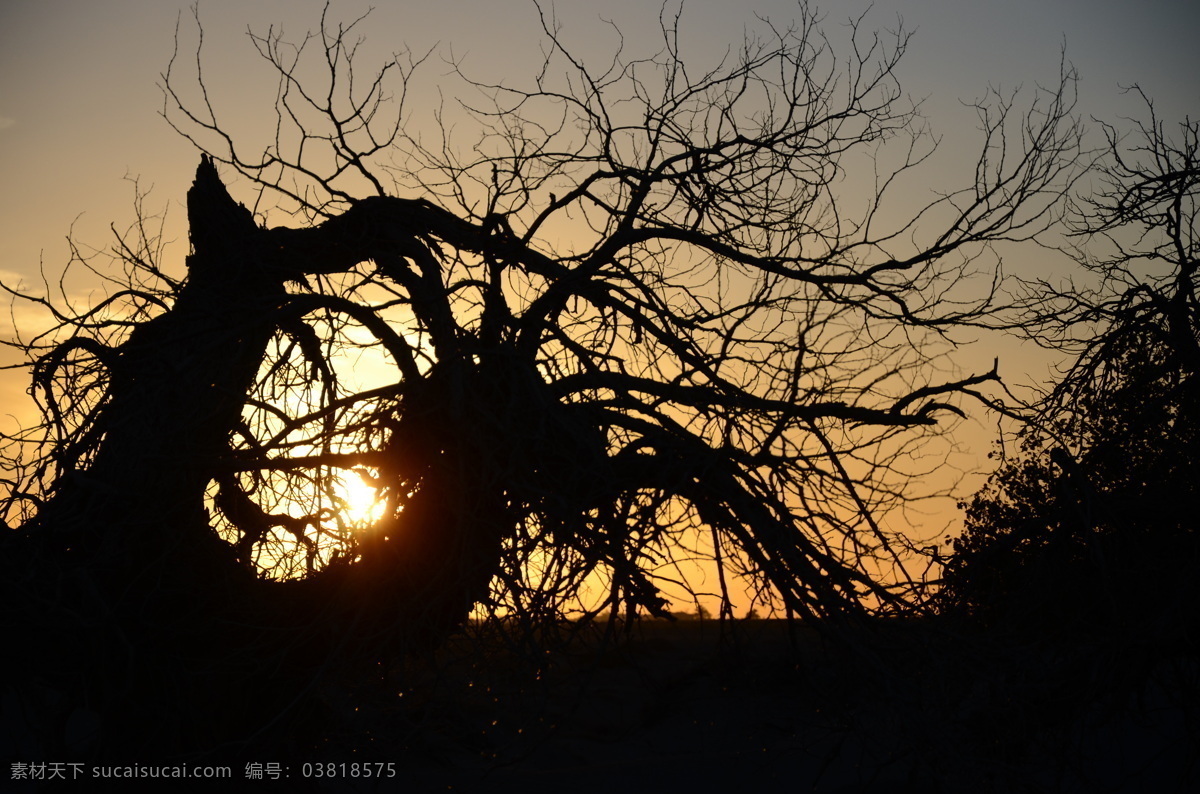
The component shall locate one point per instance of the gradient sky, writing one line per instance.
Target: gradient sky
(79, 99)
(80, 103)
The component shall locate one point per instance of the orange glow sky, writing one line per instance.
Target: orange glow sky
(79, 100)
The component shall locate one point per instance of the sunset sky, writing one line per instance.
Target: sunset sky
(79, 96)
(80, 101)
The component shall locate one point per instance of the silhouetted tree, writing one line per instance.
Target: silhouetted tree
(1093, 524)
(632, 323)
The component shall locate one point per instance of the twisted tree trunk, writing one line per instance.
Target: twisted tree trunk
(123, 563)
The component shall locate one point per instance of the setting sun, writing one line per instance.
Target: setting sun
(362, 504)
(722, 396)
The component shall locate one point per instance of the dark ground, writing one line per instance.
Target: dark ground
(689, 707)
(684, 707)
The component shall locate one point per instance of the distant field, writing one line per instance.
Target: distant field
(678, 707)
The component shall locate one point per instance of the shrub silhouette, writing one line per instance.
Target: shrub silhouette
(1092, 525)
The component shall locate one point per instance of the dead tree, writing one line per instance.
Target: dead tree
(729, 360)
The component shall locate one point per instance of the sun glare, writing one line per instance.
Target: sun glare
(363, 505)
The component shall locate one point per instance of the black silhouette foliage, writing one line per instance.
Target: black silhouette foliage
(1092, 526)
